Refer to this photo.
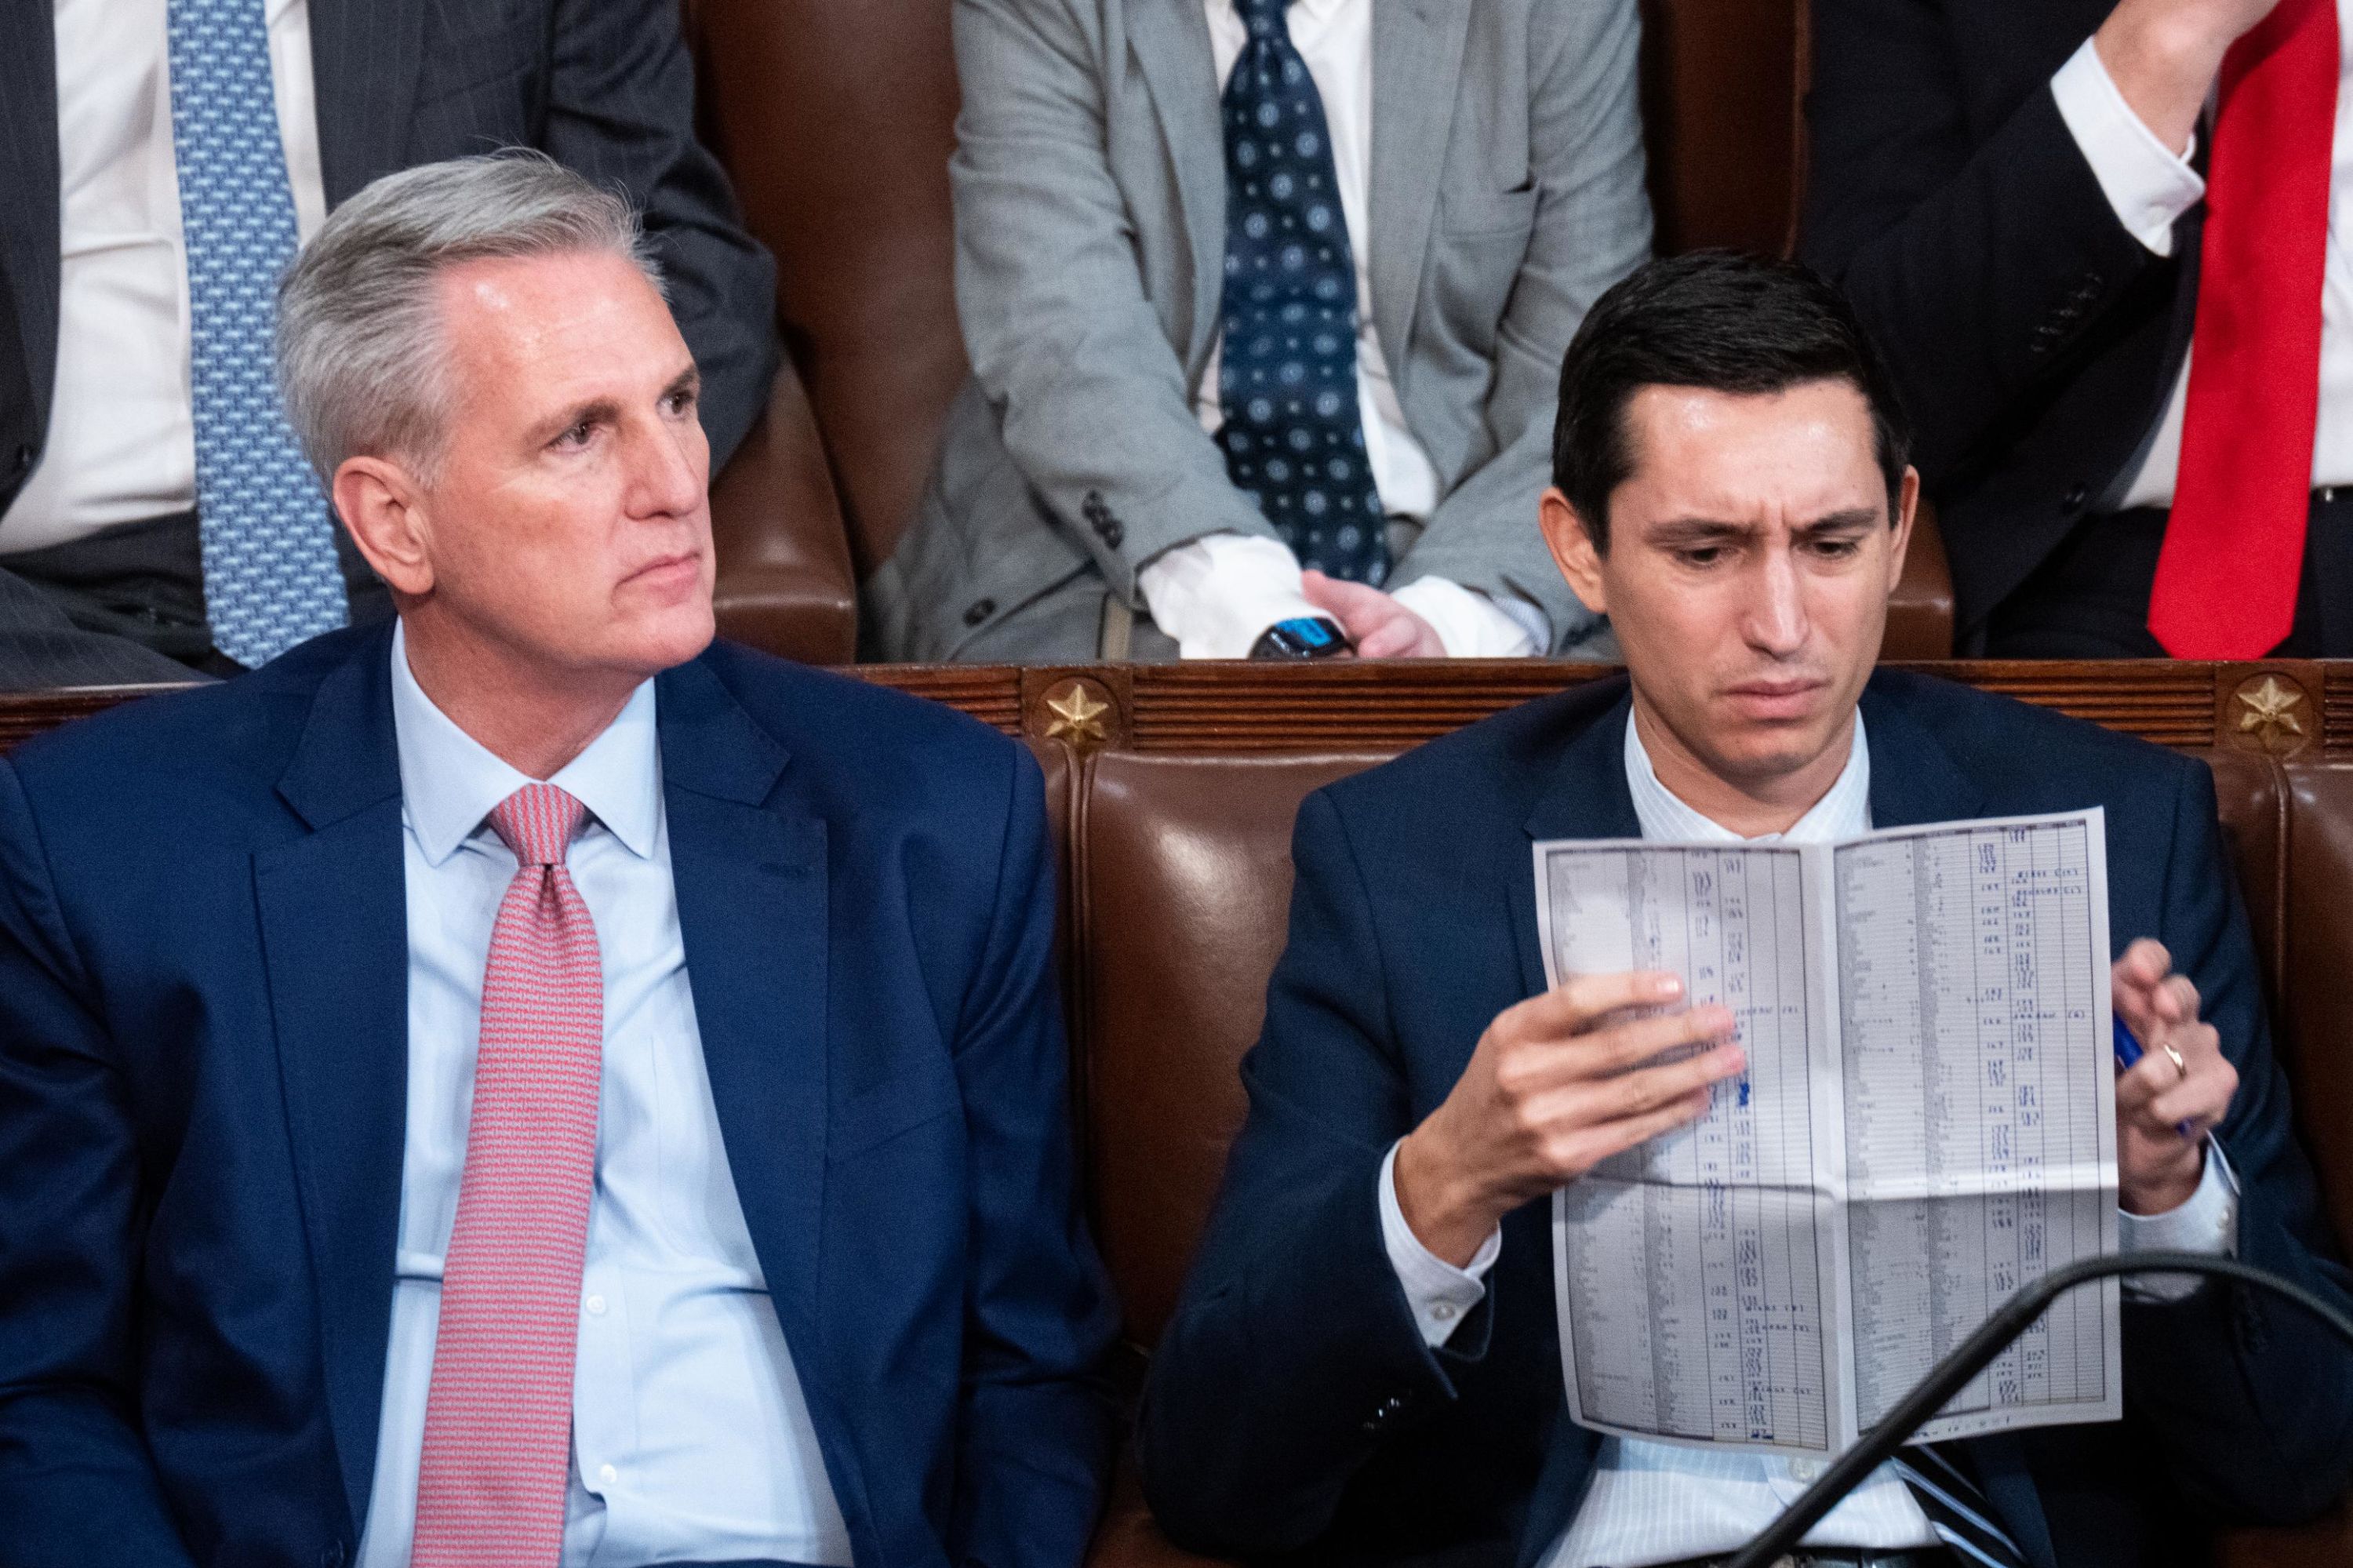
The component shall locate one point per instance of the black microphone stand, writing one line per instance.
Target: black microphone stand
(1954, 1372)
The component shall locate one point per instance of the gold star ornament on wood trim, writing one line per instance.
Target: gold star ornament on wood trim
(1077, 717)
(2270, 706)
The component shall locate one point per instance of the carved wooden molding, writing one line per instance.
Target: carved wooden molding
(2293, 710)
(2274, 713)
(23, 715)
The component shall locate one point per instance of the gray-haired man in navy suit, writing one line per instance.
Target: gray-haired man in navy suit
(160, 161)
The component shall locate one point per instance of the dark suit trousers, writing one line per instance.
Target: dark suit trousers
(2090, 599)
(126, 607)
(120, 608)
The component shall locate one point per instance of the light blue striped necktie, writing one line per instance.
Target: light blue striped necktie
(271, 574)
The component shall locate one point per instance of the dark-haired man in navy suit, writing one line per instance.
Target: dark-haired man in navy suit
(1365, 1364)
(529, 1084)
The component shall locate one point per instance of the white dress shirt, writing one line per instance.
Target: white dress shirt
(1658, 1502)
(121, 438)
(2150, 185)
(1216, 594)
(691, 1438)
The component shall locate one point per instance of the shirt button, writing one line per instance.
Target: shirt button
(1443, 1311)
(596, 1306)
(979, 611)
(1807, 1470)
(607, 1475)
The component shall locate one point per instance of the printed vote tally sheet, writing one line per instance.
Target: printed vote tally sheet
(1926, 1122)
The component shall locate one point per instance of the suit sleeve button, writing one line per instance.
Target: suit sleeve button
(2076, 497)
(1111, 531)
(20, 462)
(980, 612)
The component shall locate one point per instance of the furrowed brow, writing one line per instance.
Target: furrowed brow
(1696, 533)
(1853, 520)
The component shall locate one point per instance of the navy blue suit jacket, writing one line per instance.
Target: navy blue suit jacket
(203, 1047)
(1292, 1406)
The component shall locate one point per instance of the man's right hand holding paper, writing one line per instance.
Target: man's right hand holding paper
(1556, 1085)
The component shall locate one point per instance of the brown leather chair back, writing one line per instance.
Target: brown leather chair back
(1199, 847)
(2313, 956)
(1724, 84)
(836, 123)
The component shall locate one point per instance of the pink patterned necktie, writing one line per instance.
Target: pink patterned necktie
(498, 1419)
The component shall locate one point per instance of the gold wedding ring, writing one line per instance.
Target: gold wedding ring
(2174, 1056)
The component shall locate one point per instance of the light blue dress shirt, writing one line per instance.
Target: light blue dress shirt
(691, 1438)
(1659, 1503)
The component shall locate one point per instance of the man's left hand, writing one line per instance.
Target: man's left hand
(1376, 623)
(2182, 1080)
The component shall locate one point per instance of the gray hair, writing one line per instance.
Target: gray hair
(361, 366)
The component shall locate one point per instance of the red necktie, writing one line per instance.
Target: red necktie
(2226, 578)
(498, 1418)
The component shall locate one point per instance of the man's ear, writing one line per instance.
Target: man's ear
(1572, 550)
(380, 502)
(1907, 508)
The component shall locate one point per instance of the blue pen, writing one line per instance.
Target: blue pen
(2128, 1051)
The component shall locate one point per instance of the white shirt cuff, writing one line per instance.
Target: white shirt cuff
(1440, 1294)
(2144, 182)
(1216, 594)
(1470, 624)
(2207, 1221)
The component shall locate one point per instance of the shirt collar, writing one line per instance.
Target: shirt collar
(1843, 812)
(449, 781)
(1322, 10)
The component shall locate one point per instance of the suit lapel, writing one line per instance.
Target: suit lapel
(333, 908)
(365, 56)
(1171, 39)
(1416, 64)
(1913, 780)
(2002, 1474)
(1587, 799)
(748, 861)
(29, 181)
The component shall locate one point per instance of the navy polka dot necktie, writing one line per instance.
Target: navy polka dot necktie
(1293, 436)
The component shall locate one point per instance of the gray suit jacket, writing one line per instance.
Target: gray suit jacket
(1507, 193)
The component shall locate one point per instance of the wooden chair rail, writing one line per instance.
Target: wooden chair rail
(2284, 709)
